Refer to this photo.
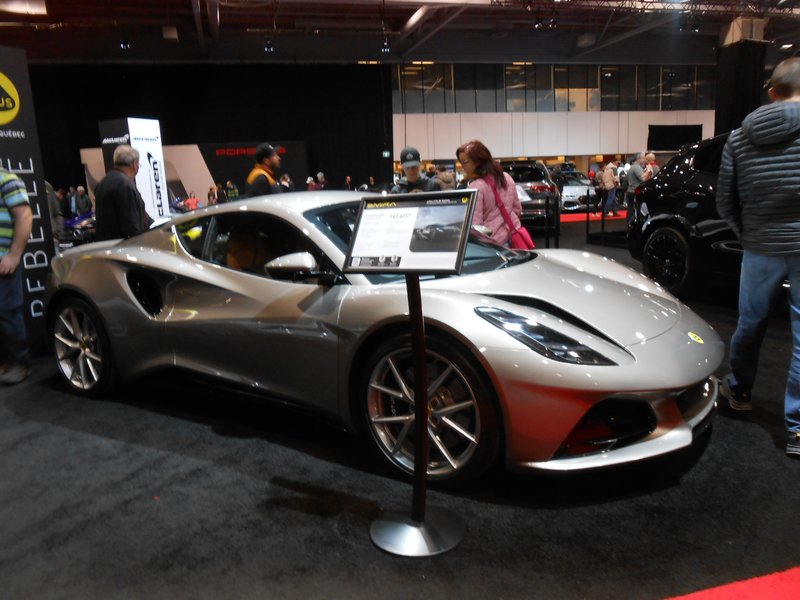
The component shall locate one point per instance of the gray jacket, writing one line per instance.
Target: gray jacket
(758, 190)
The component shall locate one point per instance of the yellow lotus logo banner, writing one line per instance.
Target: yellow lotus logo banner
(9, 100)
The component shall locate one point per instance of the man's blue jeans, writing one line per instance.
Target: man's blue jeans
(612, 196)
(761, 281)
(13, 339)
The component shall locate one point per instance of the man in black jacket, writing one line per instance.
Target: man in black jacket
(758, 194)
(263, 178)
(119, 208)
(414, 181)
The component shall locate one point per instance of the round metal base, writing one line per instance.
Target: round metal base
(396, 533)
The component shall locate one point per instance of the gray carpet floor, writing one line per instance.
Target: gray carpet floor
(203, 495)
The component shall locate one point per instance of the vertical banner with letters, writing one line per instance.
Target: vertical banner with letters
(144, 135)
(20, 154)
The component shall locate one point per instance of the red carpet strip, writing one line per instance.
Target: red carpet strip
(575, 217)
(777, 586)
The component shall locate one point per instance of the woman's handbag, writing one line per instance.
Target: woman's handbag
(520, 238)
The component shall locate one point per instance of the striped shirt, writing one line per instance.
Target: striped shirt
(12, 194)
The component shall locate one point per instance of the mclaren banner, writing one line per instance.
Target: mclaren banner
(144, 135)
(20, 154)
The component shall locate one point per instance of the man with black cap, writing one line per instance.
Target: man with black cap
(414, 181)
(263, 179)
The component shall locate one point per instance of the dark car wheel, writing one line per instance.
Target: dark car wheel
(462, 425)
(81, 348)
(667, 259)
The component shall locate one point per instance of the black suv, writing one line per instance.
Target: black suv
(676, 231)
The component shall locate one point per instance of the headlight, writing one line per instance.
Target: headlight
(542, 339)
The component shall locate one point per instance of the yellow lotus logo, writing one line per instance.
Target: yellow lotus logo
(9, 100)
(695, 338)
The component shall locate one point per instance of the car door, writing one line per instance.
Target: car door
(710, 227)
(229, 319)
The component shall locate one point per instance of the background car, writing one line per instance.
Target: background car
(543, 195)
(676, 231)
(577, 192)
(553, 359)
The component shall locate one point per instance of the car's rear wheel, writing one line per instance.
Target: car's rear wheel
(667, 258)
(463, 430)
(81, 348)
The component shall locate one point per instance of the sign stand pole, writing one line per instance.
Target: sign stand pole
(432, 531)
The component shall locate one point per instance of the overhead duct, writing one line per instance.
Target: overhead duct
(744, 28)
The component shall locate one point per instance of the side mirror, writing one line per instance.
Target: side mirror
(298, 266)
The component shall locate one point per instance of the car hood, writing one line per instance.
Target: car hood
(605, 296)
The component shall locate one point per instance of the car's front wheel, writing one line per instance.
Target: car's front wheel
(462, 427)
(81, 348)
(667, 259)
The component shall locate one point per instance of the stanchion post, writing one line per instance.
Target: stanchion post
(421, 443)
(429, 531)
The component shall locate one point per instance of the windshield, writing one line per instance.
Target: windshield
(482, 255)
(527, 174)
(576, 178)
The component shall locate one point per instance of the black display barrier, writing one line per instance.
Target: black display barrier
(20, 154)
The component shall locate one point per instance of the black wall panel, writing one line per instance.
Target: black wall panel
(740, 82)
(342, 112)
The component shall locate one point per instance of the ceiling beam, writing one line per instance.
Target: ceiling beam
(653, 24)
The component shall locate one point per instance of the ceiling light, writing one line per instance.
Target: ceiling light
(125, 43)
(385, 48)
(268, 48)
(538, 24)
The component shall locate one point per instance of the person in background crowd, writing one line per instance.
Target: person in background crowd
(446, 179)
(413, 180)
(222, 197)
(652, 165)
(263, 178)
(82, 201)
(322, 183)
(192, 202)
(76, 203)
(59, 199)
(286, 183)
(56, 218)
(212, 195)
(16, 222)
(348, 183)
(637, 174)
(311, 185)
(120, 210)
(231, 191)
(486, 176)
(757, 194)
(610, 183)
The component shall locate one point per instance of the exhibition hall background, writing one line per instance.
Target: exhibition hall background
(342, 112)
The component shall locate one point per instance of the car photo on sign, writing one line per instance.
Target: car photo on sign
(437, 229)
(550, 359)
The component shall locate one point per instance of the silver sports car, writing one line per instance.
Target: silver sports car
(550, 359)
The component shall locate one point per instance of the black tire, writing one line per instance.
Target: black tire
(81, 348)
(463, 421)
(667, 259)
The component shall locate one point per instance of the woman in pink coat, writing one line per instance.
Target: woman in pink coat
(484, 174)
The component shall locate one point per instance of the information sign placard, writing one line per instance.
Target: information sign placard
(412, 233)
